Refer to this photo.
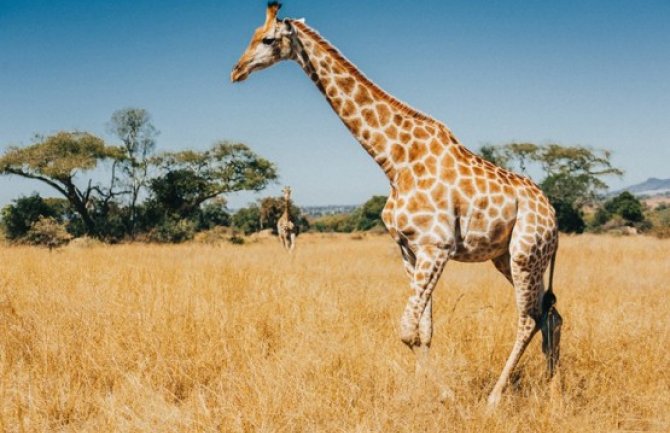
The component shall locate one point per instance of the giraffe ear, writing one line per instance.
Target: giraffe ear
(287, 27)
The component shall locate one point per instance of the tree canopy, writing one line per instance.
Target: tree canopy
(189, 178)
(57, 161)
(134, 128)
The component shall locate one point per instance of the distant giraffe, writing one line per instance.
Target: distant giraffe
(286, 229)
(445, 202)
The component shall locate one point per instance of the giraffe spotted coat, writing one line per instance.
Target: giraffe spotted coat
(445, 203)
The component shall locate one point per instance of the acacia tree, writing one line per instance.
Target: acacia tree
(57, 161)
(573, 175)
(190, 178)
(495, 154)
(138, 135)
(513, 156)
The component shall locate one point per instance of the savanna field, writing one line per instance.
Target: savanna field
(209, 338)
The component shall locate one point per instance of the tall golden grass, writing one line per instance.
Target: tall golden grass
(141, 338)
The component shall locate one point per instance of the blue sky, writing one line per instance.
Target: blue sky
(590, 72)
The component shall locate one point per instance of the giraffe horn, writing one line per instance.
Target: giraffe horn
(271, 12)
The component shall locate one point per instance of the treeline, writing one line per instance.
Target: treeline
(365, 218)
(172, 196)
(148, 195)
(574, 179)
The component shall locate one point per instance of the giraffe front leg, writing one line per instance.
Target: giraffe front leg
(426, 321)
(426, 266)
(426, 325)
(292, 243)
(416, 328)
(422, 366)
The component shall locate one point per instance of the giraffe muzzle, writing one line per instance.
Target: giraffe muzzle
(238, 74)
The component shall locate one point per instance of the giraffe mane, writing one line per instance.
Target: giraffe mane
(352, 69)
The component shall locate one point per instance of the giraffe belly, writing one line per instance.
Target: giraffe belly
(471, 231)
(468, 239)
(478, 249)
(481, 238)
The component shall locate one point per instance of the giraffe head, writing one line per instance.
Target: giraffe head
(287, 192)
(270, 43)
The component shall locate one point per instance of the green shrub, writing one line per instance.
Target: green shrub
(339, 223)
(173, 231)
(627, 206)
(369, 215)
(236, 240)
(624, 209)
(212, 215)
(570, 220)
(20, 216)
(48, 232)
(248, 219)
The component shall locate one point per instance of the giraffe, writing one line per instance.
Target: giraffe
(286, 229)
(445, 202)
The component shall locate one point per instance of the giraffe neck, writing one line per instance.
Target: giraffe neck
(386, 127)
(286, 207)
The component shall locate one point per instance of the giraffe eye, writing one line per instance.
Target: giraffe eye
(269, 41)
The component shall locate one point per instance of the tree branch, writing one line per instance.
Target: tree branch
(36, 177)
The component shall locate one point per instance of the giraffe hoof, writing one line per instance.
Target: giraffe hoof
(410, 339)
(493, 401)
(409, 334)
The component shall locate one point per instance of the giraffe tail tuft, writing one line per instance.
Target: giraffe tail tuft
(548, 301)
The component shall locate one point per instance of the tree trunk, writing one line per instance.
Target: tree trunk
(80, 206)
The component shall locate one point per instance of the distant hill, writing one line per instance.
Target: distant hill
(649, 187)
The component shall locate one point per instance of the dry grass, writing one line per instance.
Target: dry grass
(243, 338)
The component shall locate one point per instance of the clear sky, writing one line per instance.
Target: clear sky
(590, 72)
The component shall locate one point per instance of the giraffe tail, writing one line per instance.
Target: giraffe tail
(549, 299)
(550, 323)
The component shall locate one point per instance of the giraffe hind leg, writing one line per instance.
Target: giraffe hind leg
(550, 321)
(528, 287)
